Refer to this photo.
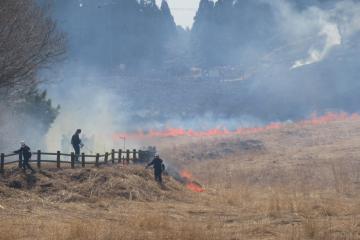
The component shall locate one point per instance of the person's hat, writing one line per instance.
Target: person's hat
(22, 143)
(157, 155)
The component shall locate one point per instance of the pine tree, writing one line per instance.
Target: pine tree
(204, 13)
(36, 105)
(166, 13)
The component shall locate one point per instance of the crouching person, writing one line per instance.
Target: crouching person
(159, 167)
(26, 156)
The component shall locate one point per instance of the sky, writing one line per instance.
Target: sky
(183, 11)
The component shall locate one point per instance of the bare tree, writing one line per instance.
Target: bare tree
(29, 41)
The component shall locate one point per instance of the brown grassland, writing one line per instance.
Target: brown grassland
(298, 182)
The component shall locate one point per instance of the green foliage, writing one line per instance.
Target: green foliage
(36, 106)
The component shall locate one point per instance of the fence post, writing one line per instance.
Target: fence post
(20, 160)
(97, 160)
(58, 159)
(120, 154)
(134, 155)
(83, 159)
(127, 156)
(2, 161)
(39, 159)
(106, 158)
(140, 156)
(112, 156)
(72, 160)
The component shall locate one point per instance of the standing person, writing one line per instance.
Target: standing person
(159, 167)
(26, 156)
(76, 143)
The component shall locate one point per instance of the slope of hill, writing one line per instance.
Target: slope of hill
(318, 156)
(297, 182)
(89, 185)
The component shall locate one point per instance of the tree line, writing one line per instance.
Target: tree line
(29, 41)
(139, 37)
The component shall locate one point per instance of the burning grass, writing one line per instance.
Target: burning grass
(314, 120)
(303, 183)
(190, 183)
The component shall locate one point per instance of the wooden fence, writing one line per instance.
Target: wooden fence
(119, 156)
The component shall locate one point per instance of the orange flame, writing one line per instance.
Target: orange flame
(179, 132)
(185, 174)
(191, 185)
(194, 187)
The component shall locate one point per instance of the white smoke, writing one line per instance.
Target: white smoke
(303, 37)
(333, 38)
(87, 104)
(327, 28)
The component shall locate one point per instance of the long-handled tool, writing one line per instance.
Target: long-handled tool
(83, 146)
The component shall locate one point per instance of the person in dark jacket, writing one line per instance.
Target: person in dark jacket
(25, 155)
(77, 144)
(159, 167)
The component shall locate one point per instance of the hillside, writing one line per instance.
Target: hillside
(89, 185)
(317, 156)
(297, 182)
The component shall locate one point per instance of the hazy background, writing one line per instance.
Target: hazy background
(130, 66)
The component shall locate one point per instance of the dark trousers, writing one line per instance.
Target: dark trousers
(157, 174)
(77, 152)
(25, 164)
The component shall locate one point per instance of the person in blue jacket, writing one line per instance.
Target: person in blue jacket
(76, 143)
(25, 155)
(159, 167)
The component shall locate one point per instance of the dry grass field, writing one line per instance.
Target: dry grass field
(297, 182)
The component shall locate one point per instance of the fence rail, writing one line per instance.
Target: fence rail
(113, 156)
